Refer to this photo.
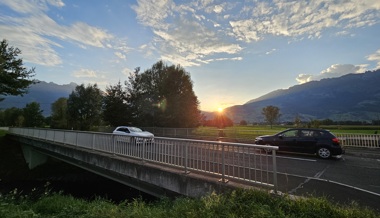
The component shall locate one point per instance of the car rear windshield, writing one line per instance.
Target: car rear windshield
(135, 129)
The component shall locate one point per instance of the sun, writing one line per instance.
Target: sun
(220, 109)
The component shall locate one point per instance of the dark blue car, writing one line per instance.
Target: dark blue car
(302, 140)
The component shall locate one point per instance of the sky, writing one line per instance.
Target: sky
(234, 51)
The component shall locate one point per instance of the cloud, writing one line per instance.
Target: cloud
(195, 31)
(36, 34)
(187, 32)
(88, 76)
(85, 73)
(26, 7)
(127, 71)
(120, 55)
(303, 18)
(181, 34)
(34, 48)
(336, 70)
(271, 51)
(375, 57)
(153, 13)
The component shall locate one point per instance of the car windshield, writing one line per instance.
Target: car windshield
(134, 129)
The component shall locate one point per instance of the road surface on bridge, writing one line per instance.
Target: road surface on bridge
(344, 179)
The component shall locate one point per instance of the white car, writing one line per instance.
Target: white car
(134, 134)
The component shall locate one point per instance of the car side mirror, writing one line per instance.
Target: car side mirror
(280, 136)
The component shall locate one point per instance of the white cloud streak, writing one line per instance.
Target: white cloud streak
(336, 70)
(375, 57)
(85, 73)
(30, 31)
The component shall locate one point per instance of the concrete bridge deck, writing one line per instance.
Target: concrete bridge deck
(163, 167)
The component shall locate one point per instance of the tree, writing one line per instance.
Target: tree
(272, 114)
(84, 107)
(59, 114)
(33, 115)
(14, 78)
(327, 122)
(219, 120)
(2, 120)
(222, 121)
(243, 123)
(314, 123)
(163, 96)
(116, 110)
(297, 121)
(13, 117)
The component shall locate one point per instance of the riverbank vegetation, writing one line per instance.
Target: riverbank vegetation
(240, 203)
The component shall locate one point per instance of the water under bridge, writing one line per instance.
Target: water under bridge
(162, 167)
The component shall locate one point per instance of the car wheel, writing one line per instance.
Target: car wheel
(324, 152)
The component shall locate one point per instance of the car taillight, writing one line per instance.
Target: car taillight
(335, 140)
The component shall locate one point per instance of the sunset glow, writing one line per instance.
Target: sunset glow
(227, 47)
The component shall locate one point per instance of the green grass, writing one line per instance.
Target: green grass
(239, 203)
(254, 131)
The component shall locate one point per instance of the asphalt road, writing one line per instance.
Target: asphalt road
(351, 177)
(345, 179)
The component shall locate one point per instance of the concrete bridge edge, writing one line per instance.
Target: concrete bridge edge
(154, 179)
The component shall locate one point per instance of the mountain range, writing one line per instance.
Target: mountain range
(42, 92)
(353, 97)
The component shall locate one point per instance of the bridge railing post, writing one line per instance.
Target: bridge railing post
(224, 180)
(186, 156)
(113, 144)
(274, 170)
(93, 141)
(54, 137)
(76, 138)
(143, 150)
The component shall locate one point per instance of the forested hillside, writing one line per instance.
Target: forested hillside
(354, 97)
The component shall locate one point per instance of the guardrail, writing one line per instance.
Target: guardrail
(233, 135)
(235, 161)
(359, 140)
(248, 136)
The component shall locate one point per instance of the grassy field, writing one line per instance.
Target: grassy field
(249, 133)
(332, 128)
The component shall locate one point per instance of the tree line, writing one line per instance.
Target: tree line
(161, 96)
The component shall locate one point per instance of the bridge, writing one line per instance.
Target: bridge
(160, 167)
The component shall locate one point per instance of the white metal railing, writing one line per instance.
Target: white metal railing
(359, 140)
(237, 161)
(248, 136)
(240, 135)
